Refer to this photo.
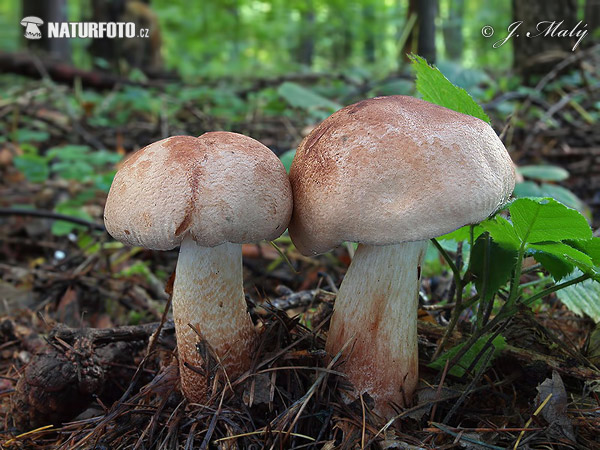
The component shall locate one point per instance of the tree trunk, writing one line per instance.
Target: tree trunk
(592, 17)
(427, 9)
(48, 11)
(541, 52)
(139, 52)
(410, 44)
(369, 29)
(452, 29)
(306, 46)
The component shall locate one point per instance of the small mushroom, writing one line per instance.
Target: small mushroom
(390, 173)
(31, 24)
(208, 195)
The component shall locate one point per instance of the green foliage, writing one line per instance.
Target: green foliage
(582, 298)
(93, 169)
(436, 88)
(484, 253)
(477, 351)
(304, 98)
(544, 173)
(539, 188)
(287, 158)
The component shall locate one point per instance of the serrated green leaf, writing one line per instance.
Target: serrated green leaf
(544, 173)
(436, 88)
(462, 234)
(546, 220)
(502, 232)
(557, 267)
(501, 264)
(563, 195)
(564, 252)
(582, 298)
(301, 97)
(467, 359)
(590, 247)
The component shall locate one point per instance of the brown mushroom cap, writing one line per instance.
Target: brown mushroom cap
(395, 169)
(219, 187)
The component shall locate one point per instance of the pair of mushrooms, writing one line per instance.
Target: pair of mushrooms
(388, 172)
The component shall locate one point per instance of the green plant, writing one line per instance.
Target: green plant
(556, 236)
(93, 169)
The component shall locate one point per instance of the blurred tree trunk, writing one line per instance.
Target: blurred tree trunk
(344, 36)
(306, 46)
(48, 11)
(410, 44)
(427, 10)
(539, 54)
(452, 29)
(369, 30)
(592, 16)
(139, 52)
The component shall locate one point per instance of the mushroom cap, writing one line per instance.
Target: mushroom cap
(393, 169)
(31, 19)
(219, 187)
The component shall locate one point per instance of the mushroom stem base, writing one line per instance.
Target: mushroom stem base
(376, 311)
(208, 296)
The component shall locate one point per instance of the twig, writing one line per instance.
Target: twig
(50, 215)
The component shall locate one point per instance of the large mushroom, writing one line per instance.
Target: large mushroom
(390, 173)
(208, 195)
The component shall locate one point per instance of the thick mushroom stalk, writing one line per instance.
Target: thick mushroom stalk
(207, 195)
(381, 172)
(214, 330)
(376, 312)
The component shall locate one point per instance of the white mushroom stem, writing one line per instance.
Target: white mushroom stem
(376, 309)
(208, 295)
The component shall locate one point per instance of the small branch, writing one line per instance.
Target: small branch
(50, 215)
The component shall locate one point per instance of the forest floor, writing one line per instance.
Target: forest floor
(83, 326)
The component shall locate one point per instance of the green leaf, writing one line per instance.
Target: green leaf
(69, 153)
(34, 167)
(563, 195)
(544, 173)
(467, 359)
(502, 232)
(462, 234)
(287, 159)
(73, 170)
(61, 227)
(500, 266)
(558, 267)
(27, 135)
(564, 252)
(301, 97)
(546, 220)
(590, 247)
(528, 189)
(582, 298)
(436, 88)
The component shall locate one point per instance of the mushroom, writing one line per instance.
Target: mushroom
(209, 195)
(390, 173)
(31, 25)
